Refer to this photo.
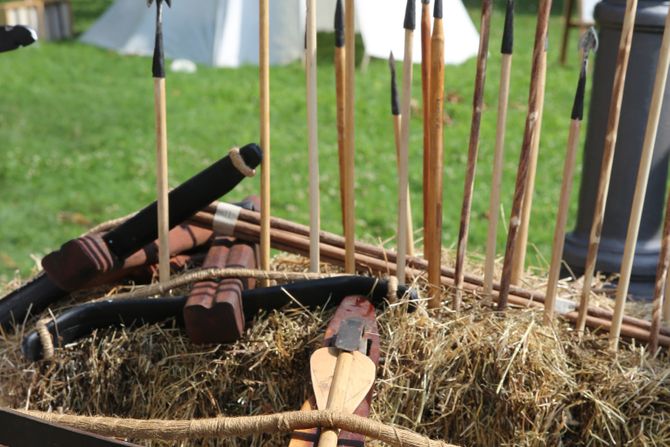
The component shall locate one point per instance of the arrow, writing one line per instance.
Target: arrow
(434, 215)
(506, 50)
(403, 174)
(340, 55)
(588, 43)
(312, 126)
(623, 55)
(264, 87)
(397, 120)
(158, 69)
(425, 94)
(13, 37)
(349, 162)
(522, 239)
(658, 93)
(473, 149)
(524, 159)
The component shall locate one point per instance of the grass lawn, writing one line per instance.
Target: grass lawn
(76, 125)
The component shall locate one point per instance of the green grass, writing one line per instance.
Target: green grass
(76, 126)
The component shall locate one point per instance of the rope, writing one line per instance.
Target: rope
(392, 292)
(45, 338)
(239, 163)
(222, 426)
(216, 273)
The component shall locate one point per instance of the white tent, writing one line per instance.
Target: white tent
(221, 33)
(380, 24)
(225, 32)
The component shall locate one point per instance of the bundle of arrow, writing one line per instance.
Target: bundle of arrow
(448, 367)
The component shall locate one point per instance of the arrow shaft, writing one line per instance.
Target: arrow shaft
(264, 87)
(312, 126)
(337, 395)
(349, 85)
(340, 56)
(496, 182)
(434, 223)
(623, 55)
(403, 156)
(561, 220)
(397, 119)
(522, 240)
(473, 149)
(162, 180)
(425, 91)
(524, 158)
(648, 144)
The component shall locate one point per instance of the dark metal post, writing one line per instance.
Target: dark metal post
(637, 96)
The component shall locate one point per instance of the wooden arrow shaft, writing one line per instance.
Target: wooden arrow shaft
(337, 395)
(524, 159)
(425, 90)
(162, 180)
(658, 93)
(349, 87)
(312, 126)
(434, 222)
(561, 220)
(496, 181)
(618, 84)
(264, 87)
(397, 119)
(340, 56)
(522, 240)
(403, 156)
(473, 149)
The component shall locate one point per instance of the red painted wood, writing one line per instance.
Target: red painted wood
(351, 306)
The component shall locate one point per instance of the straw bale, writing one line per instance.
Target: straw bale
(473, 378)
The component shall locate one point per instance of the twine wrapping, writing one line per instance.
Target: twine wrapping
(239, 163)
(173, 430)
(392, 292)
(45, 338)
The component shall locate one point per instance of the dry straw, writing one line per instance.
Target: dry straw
(473, 378)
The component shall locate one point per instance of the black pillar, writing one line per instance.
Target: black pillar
(636, 100)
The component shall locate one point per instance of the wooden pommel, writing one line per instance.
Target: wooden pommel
(78, 261)
(214, 311)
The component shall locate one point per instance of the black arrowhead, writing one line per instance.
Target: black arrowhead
(508, 33)
(158, 65)
(410, 15)
(395, 107)
(578, 105)
(339, 25)
(437, 9)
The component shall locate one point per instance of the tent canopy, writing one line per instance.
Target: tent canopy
(380, 24)
(224, 33)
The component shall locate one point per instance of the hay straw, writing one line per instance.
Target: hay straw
(473, 378)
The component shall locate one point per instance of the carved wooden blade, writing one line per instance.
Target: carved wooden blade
(361, 377)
